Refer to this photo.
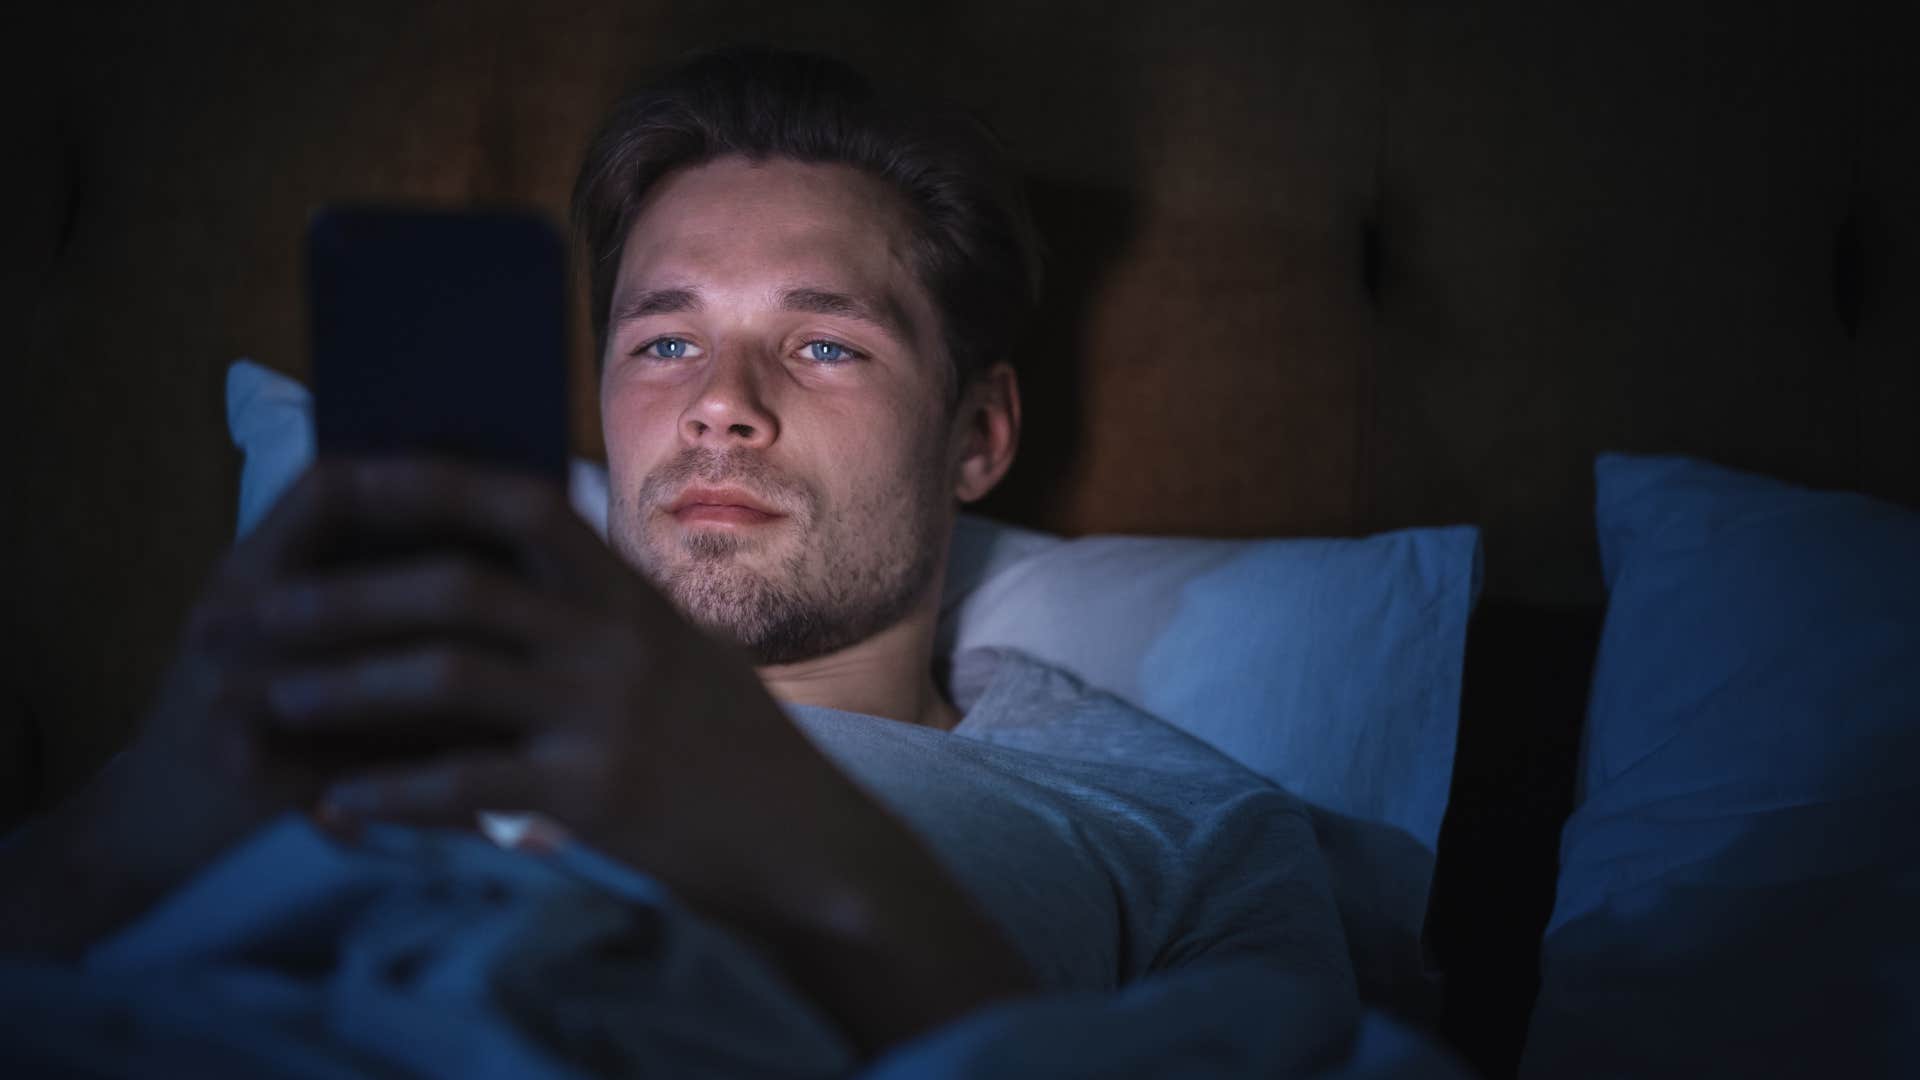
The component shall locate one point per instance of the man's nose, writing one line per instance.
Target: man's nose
(730, 409)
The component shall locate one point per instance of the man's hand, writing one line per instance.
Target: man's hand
(562, 682)
(553, 678)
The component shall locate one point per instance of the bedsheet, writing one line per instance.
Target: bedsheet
(434, 953)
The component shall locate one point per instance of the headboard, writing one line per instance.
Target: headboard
(1315, 266)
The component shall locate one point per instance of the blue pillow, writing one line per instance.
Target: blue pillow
(1739, 889)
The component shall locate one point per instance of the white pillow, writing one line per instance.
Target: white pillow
(1332, 667)
(1739, 885)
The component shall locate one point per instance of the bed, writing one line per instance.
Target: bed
(1424, 263)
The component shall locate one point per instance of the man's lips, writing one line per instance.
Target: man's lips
(721, 506)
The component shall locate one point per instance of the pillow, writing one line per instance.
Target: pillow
(1739, 882)
(1332, 667)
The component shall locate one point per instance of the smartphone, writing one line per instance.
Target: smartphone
(433, 332)
(439, 332)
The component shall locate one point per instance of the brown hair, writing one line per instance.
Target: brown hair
(974, 245)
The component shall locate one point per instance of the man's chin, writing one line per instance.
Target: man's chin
(771, 624)
(780, 635)
(724, 597)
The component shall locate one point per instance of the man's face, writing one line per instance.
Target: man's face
(773, 397)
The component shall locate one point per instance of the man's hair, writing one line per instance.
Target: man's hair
(973, 246)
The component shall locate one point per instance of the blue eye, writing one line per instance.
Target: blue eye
(666, 348)
(828, 352)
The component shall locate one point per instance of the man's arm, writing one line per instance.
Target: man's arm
(198, 777)
(61, 886)
(83, 870)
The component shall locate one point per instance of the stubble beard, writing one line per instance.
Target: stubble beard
(853, 572)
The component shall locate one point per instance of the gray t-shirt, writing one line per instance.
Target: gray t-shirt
(1107, 843)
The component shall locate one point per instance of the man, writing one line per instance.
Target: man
(804, 298)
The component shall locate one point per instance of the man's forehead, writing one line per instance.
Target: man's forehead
(786, 207)
(825, 239)
(759, 244)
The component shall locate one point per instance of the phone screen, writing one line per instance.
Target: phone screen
(439, 332)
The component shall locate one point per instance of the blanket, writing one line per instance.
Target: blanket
(425, 953)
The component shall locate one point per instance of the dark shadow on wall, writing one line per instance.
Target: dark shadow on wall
(1085, 230)
(1523, 705)
(22, 760)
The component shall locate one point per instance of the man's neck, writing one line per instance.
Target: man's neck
(889, 674)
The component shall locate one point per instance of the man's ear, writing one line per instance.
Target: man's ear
(986, 432)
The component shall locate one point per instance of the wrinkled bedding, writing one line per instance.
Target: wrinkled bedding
(429, 953)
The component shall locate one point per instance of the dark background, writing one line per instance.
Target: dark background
(1315, 267)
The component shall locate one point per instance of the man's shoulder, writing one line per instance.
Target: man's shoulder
(1016, 700)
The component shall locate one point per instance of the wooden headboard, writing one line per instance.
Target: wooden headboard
(1315, 267)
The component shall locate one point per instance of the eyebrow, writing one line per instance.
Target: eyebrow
(887, 315)
(654, 302)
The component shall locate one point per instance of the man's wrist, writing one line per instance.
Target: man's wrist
(62, 891)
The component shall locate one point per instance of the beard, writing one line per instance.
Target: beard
(816, 581)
